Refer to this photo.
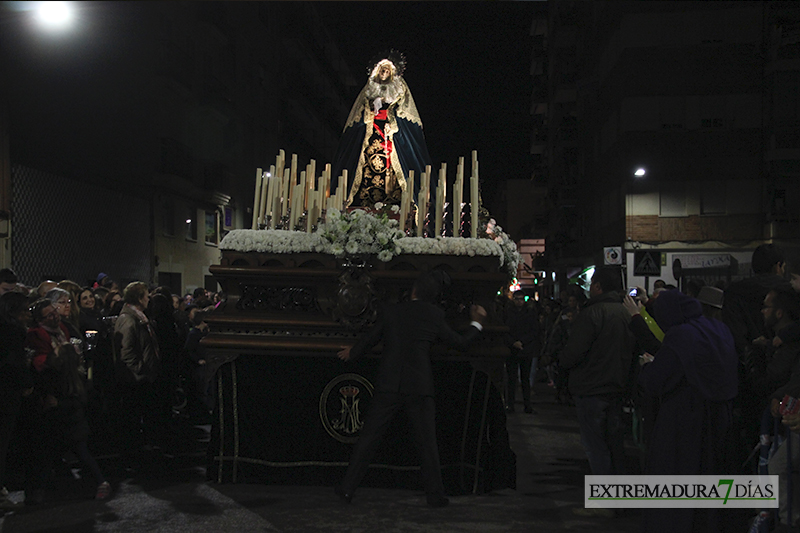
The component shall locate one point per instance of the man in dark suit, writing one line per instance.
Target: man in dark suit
(405, 381)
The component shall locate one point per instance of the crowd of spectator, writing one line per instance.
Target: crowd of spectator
(705, 372)
(95, 364)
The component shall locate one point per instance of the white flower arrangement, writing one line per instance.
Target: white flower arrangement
(510, 257)
(361, 233)
(273, 241)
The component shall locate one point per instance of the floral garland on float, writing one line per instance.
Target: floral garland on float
(332, 229)
(358, 232)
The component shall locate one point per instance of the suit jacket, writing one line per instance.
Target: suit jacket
(407, 330)
(523, 326)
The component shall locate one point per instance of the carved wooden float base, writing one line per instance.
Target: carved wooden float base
(288, 410)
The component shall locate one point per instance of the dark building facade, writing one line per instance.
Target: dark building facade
(703, 98)
(171, 103)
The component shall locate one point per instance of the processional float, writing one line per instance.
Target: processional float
(311, 274)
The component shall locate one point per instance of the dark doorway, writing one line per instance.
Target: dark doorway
(211, 284)
(171, 280)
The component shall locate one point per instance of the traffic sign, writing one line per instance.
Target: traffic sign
(612, 255)
(647, 263)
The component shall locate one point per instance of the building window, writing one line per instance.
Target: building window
(168, 217)
(673, 203)
(712, 198)
(211, 233)
(191, 224)
(672, 110)
(227, 223)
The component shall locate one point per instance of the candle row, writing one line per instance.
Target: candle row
(279, 194)
(423, 198)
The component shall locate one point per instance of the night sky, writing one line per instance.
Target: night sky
(468, 69)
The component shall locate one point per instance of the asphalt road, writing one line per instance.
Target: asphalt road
(169, 493)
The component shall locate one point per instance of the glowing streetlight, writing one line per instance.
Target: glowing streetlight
(54, 14)
(640, 172)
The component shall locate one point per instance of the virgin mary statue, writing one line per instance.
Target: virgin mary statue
(382, 139)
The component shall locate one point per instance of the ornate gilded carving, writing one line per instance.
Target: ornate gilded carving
(272, 298)
(356, 302)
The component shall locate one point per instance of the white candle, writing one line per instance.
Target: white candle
(324, 187)
(424, 213)
(257, 199)
(422, 209)
(302, 189)
(293, 180)
(285, 184)
(473, 206)
(280, 187)
(341, 192)
(441, 198)
(297, 205)
(276, 210)
(345, 190)
(312, 207)
(280, 163)
(311, 181)
(408, 199)
(263, 204)
(403, 210)
(458, 195)
(439, 210)
(271, 189)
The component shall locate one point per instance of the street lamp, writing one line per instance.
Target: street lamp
(54, 15)
(640, 172)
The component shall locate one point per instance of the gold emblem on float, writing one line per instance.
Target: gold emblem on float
(342, 404)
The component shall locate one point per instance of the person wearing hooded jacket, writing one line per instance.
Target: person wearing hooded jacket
(694, 374)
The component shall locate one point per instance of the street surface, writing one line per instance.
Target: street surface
(171, 494)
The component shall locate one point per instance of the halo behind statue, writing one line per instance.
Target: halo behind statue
(395, 56)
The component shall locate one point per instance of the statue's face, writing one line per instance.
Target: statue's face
(384, 72)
